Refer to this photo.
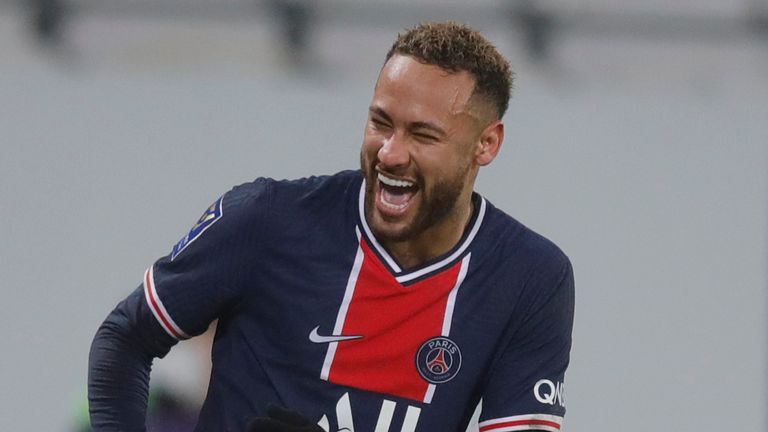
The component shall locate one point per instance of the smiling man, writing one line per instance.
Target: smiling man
(387, 299)
(431, 126)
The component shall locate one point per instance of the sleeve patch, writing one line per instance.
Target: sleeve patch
(211, 215)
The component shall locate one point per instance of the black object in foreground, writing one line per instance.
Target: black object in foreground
(282, 420)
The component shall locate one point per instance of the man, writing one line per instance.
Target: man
(392, 298)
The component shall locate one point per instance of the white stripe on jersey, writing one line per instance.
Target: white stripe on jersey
(158, 309)
(448, 317)
(342, 315)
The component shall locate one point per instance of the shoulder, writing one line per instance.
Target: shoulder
(265, 194)
(534, 271)
(277, 210)
(516, 244)
(340, 183)
(531, 268)
(258, 208)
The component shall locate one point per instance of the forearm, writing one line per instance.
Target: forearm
(119, 365)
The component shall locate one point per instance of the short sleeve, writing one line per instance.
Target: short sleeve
(526, 386)
(203, 275)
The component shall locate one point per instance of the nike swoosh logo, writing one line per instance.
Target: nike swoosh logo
(316, 338)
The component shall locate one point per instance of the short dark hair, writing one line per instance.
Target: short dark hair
(456, 47)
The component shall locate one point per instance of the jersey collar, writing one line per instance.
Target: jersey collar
(430, 267)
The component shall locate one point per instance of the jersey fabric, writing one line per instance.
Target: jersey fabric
(315, 315)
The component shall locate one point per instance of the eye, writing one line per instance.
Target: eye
(426, 138)
(379, 124)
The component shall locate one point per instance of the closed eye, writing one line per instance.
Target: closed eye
(379, 124)
(425, 137)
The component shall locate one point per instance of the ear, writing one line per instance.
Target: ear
(490, 143)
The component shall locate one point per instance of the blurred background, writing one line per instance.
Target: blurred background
(637, 139)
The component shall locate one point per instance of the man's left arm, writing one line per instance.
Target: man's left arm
(526, 386)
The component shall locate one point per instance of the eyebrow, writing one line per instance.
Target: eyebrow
(414, 125)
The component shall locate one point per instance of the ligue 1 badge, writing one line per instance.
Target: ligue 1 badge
(438, 360)
(211, 215)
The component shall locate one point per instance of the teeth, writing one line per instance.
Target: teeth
(393, 206)
(393, 182)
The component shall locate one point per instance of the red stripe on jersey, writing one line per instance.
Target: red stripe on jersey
(394, 321)
(159, 313)
(497, 426)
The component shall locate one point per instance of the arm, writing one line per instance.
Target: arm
(181, 295)
(525, 387)
(119, 364)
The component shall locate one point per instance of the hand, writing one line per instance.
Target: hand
(282, 420)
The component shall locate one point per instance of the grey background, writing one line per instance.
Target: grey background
(645, 160)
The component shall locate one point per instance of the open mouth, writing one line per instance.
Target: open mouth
(395, 195)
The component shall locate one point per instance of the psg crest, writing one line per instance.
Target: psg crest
(438, 360)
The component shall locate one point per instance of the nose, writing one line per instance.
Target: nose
(394, 153)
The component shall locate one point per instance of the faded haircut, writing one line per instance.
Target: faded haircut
(456, 47)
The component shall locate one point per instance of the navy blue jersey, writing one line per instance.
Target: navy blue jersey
(315, 315)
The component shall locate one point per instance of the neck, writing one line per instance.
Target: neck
(434, 241)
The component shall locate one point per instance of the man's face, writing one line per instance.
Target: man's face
(419, 149)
